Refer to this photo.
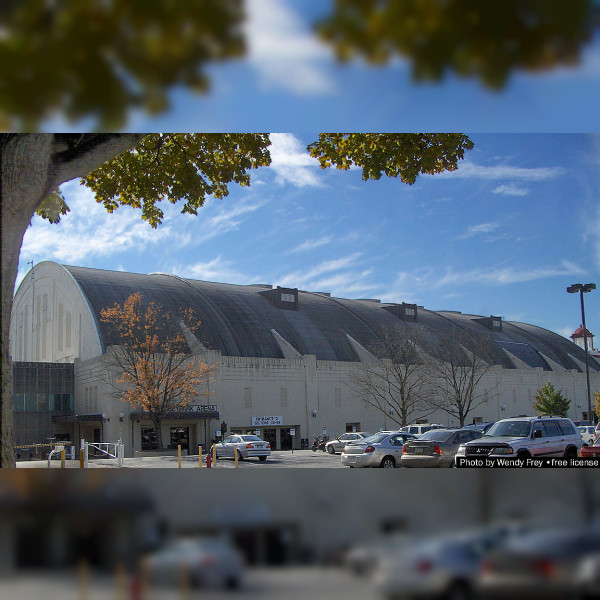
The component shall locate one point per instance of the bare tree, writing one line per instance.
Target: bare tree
(393, 382)
(456, 367)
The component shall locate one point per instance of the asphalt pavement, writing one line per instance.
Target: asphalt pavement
(282, 583)
(279, 459)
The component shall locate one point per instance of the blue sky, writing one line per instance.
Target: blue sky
(290, 81)
(504, 235)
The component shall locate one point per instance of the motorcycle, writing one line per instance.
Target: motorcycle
(318, 445)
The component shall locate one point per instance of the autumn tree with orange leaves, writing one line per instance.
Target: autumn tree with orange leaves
(152, 354)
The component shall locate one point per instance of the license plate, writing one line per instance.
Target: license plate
(352, 459)
(419, 450)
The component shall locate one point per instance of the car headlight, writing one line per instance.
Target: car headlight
(506, 450)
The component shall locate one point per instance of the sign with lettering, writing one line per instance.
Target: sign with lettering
(293, 431)
(266, 421)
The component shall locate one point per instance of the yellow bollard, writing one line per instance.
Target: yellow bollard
(179, 456)
(121, 581)
(84, 580)
(236, 456)
(200, 457)
(185, 580)
(63, 456)
(214, 455)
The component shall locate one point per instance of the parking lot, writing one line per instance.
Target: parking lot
(279, 459)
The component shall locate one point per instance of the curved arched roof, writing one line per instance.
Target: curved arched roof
(240, 320)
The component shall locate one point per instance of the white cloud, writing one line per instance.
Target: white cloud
(308, 279)
(511, 189)
(216, 269)
(312, 244)
(469, 170)
(480, 229)
(592, 230)
(292, 163)
(227, 218)
(505, 275)
(411, 285)
(283, 50)
(88, 230)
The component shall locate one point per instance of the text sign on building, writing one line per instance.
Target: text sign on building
(293, 431)
(266, 421)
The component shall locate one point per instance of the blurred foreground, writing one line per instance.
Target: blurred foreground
(144, 535)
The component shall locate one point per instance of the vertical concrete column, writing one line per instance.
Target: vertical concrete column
(312, 395)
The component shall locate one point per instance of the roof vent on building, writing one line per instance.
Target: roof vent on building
(284, 298)
(492, 323)
(406, 312)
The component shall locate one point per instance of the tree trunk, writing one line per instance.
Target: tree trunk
(158, 428)
(24, 180)
(32, 166)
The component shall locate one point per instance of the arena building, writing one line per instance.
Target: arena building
(284, 360)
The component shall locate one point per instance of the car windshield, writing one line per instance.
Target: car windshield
(251, 438)
(436, 435)
(509, 429)
(376, 438)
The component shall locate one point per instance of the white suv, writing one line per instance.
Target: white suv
(524, 437)
(422, 428)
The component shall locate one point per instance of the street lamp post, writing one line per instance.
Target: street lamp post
(582, 289)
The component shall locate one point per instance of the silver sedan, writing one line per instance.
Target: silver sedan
(337, 445)
(246, 446)
(379, 450)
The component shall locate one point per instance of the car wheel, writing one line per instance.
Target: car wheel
(459, 590)
(330, 449)
(571, 452)
(524, 454)
(388, 463)
(232, 583)
(262, 458)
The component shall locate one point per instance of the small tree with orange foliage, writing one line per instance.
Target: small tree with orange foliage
(153, 356)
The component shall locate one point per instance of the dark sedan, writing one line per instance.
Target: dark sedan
(436, 448)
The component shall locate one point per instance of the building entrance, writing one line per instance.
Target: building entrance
(286, 438)
(180, 436)
(270, 435)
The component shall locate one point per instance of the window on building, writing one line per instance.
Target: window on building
(18, 402)
(288, 298)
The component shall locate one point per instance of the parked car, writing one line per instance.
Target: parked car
(541, 564)
(591, 451)
(587, 578)
(337, 445)
(379, 450)
(195, 562)
(445, 567)
(247, 446)
(524, 437)
(437, 447)
(363, 558)
(483, 427)
(418, 429)
(588, 434)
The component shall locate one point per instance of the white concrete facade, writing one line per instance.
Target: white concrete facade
(53, 322)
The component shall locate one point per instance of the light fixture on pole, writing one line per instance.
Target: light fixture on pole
(582, 289)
